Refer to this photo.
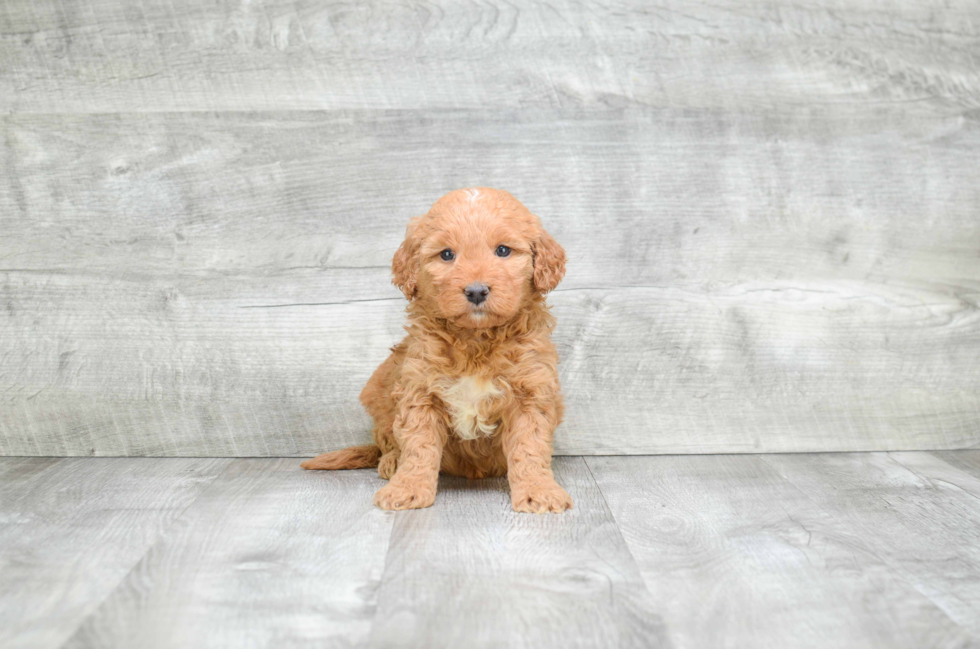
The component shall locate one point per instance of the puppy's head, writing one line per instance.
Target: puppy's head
(477, 258)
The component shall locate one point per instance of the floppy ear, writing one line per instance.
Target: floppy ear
(405, 264)
(549, 262)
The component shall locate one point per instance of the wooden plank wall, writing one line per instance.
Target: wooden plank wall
(772, 215)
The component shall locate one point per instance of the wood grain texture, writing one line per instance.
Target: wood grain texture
(911, 510)
(219, 285)
(736, 556)
(269, 555)
(966, 461)
(637, 196)
(71, 529)
(951, 471)
(791, 551)
(470, 571)
(770, 212)
(181, 55)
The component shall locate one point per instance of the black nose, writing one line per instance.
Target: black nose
(477, 292)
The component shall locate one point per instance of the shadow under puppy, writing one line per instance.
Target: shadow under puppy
(473, 388)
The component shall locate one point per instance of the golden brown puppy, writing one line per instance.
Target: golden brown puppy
(473, 389)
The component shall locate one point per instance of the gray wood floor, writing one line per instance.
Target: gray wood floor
(782, 551)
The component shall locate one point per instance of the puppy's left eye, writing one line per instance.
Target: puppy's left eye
(502, 251)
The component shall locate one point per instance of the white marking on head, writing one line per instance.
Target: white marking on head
(474, 194)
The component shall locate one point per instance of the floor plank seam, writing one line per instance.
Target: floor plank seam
(893, 560)
(384, 575)
(160, 536)
(619, 527)
(896, 569)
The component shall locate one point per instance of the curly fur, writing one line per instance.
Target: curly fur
(471, 390)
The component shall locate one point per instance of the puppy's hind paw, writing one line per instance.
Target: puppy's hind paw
(541, 499)
(388, 465)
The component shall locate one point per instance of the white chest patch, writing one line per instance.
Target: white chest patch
(468, 400)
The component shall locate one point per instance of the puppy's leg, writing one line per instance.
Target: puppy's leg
(385, 439)
(421, 436)
(388, 464)
(527, 445)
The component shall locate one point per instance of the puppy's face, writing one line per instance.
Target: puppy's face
(477, 258)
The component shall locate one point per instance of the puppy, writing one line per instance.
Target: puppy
(473, 388)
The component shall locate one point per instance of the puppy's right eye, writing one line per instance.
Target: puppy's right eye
(447, 255)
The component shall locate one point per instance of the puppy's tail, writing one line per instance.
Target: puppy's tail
(355, 457)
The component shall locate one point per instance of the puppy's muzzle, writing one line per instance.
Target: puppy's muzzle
(477, 292)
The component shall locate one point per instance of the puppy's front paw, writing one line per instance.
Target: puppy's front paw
(396, 495)
(540, 498)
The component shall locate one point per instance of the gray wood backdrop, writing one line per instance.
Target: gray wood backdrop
(772, 214)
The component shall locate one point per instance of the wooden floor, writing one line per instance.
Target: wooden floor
(816, 550)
